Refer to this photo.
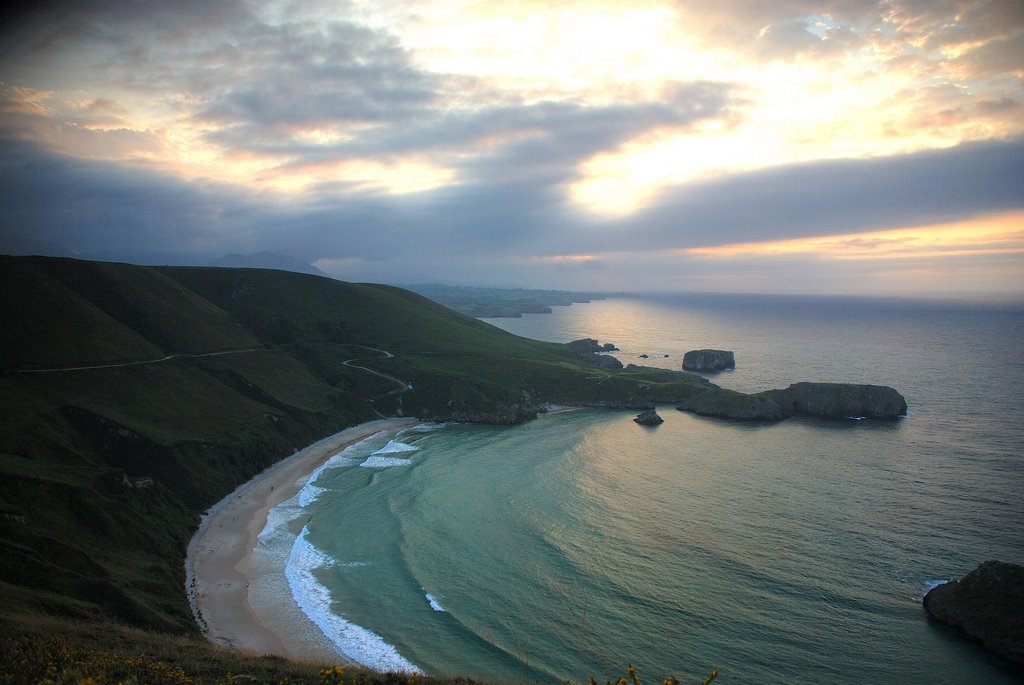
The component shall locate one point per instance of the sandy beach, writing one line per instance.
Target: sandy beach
(219, 568)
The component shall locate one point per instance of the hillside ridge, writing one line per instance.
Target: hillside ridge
(190, 380)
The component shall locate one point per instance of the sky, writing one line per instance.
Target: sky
(826, 146)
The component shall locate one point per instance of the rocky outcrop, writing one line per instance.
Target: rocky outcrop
(589, 349)
(649, 418)
(813, 400)
(840, 401)
(499, 415)
(729, 404)
(605, 361)
(987, 605)
(709, 360)
(587, 345)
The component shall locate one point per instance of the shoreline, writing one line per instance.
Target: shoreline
(218, 565)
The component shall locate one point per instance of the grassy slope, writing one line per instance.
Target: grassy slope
(77, 544)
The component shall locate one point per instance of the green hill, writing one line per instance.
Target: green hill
(190, 381)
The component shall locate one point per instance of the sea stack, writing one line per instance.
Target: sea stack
(709, 360)
(987, 605)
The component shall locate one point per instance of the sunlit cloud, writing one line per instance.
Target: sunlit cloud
(550, 140)
(1000, 234)
(567, 259)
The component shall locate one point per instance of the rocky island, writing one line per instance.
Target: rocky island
(815, 400)
(709, 360)
(987, 605)
(649, 417)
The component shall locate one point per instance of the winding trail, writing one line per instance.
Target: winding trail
(403, 386)
(190, 355)
(169, 357)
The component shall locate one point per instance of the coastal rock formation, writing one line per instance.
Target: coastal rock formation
(589, 350)
(585, 345)
(987, 605)
(649, 418)
(840, 400)
(729, 404)
(501, 415)
(814, 400)
(709, 360)
(606, 362)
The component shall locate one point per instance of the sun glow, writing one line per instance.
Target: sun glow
(799, 113)
(552, 49)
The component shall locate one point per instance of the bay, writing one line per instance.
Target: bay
(578, 543)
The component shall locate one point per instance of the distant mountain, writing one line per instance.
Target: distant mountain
(267, 260)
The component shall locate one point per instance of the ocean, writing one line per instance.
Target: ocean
(577, 544)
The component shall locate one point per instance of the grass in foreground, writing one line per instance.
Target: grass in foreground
(32, 660)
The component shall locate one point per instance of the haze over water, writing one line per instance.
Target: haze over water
(575, 544)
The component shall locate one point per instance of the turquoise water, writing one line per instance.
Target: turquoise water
(795, 552)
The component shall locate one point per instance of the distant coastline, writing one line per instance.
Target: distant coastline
(503, 303)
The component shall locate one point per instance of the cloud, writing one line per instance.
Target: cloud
(799, 37)
(297, 76)
(788, 29)
(841, 196)
(184, 131)
(998, 56)
(92, 206)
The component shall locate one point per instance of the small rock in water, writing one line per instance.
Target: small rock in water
(648, 418)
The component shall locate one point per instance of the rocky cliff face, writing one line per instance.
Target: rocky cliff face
(987, 605)
(709, 360)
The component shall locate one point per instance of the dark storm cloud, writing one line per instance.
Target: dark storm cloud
(64, 40)
(95, 207)
(99, 206)
(299, 75)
